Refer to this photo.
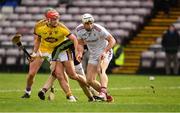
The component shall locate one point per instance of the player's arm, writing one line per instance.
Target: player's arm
(80, 47)
(37, 41)
(73, 38)
(111, 43)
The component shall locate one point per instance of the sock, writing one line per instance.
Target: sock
(93, 91)
(104, 90)
(69, 94)
(44, 89)
(91, 98)
(28, 91)
(52, 89)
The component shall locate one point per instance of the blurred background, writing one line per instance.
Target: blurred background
(137, 25)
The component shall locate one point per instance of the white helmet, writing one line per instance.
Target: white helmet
(87, 18)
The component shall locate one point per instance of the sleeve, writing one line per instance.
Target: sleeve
(36, 28)
(66, 31)
(77, 34)
(104, 33)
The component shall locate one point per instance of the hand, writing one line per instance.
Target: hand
(31, 59)
(33, 54)
(102, 56)
(79, 57)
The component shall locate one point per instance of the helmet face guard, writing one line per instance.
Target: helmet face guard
(87, 18)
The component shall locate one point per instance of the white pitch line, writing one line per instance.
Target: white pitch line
(114, 89)
(90, 112)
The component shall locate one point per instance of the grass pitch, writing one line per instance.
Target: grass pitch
(132, 93)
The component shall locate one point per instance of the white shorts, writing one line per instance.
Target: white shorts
(95, 60)
(44, 55)
(65, 56)
(79, 69)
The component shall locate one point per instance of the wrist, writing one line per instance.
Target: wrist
(33, 54)
(105, 51)
(34, 51)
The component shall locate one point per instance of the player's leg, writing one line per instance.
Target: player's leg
(49, 82)
(102, 66)
(33, 69)
(61, 76)
(80, 78)
(91, 77)
(80, 70)
(89, 92)
(47, 86)
(70, 70)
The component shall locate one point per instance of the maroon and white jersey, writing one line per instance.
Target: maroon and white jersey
(95, 39)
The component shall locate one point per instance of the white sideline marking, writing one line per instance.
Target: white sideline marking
(114, 89)
(90, 112)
